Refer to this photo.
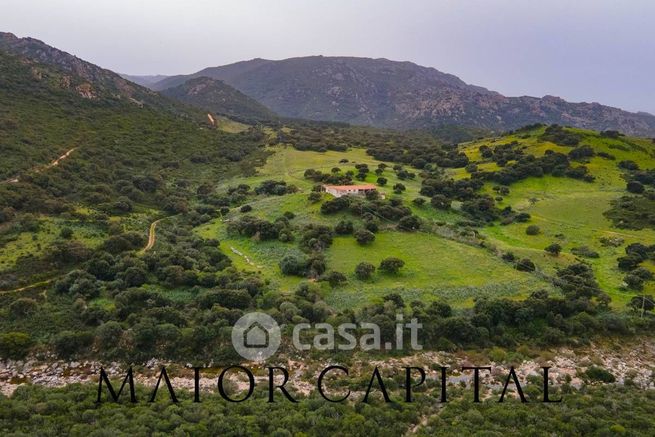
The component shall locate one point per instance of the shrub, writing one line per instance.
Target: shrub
(391, 265)
(68, 343)
(585, 251)
(246, 208)
(634, 282)
(635, 187)
(553, 249)
(364, 236)
(14, 345)
(525, 265)
(409, 223)
(335, 278)
(595, 373)
(344, 227)
(419, 201)
(293, 265)
(22, 307)
(533, 230)
(66, 233)
(364, 270)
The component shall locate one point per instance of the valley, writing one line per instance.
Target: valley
(137, 227)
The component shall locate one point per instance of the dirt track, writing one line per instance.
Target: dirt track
(54, 163)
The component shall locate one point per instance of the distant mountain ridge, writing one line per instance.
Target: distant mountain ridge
(401, 95)
(215, 96)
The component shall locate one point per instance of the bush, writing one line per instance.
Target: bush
(68, 343)
(293, 265)
(335, 278)
(22, 307)
(364, 270)
(66, 233)
(554, 249)
(634, 282)
(14, 345)
(533, 230)
(391, 265)
(364, 236)
(595, 373)
(585, 251)
(246, 208)
(635, 187)
(409, 223)
(344, 227)
(525, 265)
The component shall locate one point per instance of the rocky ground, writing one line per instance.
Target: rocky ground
(632, 363)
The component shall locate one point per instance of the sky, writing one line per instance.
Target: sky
(581, 50)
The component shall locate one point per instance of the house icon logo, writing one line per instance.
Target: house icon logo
(256, 336)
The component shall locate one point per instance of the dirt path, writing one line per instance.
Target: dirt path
(152, 237)
(29, 287)
(54, 163)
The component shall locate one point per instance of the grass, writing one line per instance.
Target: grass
(230, 126)
(570, 212)
(436, 266)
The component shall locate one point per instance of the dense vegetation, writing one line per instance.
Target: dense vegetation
(605, 410)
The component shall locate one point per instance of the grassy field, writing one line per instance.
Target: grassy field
(436, 267)
(570, 212)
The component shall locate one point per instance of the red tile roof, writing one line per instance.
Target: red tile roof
(352, 187)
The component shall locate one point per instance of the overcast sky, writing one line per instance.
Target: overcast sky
(581, 50)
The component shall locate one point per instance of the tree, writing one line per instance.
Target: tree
(364, 270)
(419, 201)
(409, 223)
(439, 201)
(335, 278)
(382, 181)
(344, 227)
(554, 249)
(399, 188)
(364, 236)
(635, 187)
(293, 265)
(532, 230)
(66, 233)
(22, 307)
(14, 345)
(634, 282)
(391, 265)
(525, 265)
(314, 197)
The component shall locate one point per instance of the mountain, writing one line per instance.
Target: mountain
(144, 80)
(401, 95)
(86, 79)
(218, 97)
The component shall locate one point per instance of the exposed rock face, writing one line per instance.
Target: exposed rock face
(403, 95)
(88, 80)
(629, 363)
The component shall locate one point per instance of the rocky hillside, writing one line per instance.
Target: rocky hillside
(218, 97)
(82, 77)
(402, 95)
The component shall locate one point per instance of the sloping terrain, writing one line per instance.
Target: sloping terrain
(384, 93)
(217, 97)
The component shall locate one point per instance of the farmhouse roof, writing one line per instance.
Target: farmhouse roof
(352, 187)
